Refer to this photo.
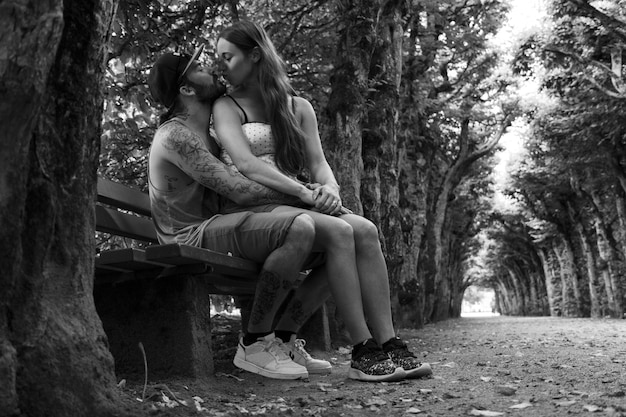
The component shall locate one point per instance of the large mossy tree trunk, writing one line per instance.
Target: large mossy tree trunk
(54, 358)
(380, 189)
(342, 132)
(362, 114)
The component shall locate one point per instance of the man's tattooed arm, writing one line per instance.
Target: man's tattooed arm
(193, 156)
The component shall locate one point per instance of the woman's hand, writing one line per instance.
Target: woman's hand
(327, 199)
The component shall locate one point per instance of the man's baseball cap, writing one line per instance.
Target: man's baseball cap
(167, 75)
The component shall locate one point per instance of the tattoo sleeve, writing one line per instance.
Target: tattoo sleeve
(195, 159)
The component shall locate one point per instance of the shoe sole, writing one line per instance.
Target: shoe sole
(420, 372)
(320, 371)
(398, 375)
(250, 367)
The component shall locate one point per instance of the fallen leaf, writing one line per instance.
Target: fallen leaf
(229, 376)
(413, 410)
(592, 408)
(325, 387)
(449, 365)
(505, 390)
(566, 403)
(487, 413)
(521, 406)
(425, 391)
(375, 401)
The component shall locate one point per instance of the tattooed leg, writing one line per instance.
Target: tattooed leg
(307, 298)
(269, 290)
(280, 270)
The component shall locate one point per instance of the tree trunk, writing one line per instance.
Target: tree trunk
(54, 357)
(346, 105)
(606, 262)
(592, 276)
(380, 192)
(566, 271)
(620, 206)
(569, 271)
(346, 108)
(552, 283)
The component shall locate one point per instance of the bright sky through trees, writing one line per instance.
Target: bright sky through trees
(526, 17)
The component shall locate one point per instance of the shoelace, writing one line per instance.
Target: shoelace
(274, 347)
(373, 354)
(402, 351)
(298, 344)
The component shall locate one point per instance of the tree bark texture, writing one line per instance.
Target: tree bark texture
(53, 349)
(607, 260)
(346, 105)
(572, 298)
(552, 284)
(592, 276)
(363, 116)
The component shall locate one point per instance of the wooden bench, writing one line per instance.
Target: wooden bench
(159, 295)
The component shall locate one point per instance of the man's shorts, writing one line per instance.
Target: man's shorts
(252, 235)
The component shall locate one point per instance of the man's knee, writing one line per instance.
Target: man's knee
(302, 230)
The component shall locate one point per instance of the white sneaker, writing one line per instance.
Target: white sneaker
(266, 357)
(295, 349)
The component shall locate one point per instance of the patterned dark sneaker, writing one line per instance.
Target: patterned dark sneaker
(370, 363)
(403, 357)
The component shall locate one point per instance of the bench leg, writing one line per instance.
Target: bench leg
(171, 317)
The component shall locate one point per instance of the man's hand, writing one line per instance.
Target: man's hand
(307, 196)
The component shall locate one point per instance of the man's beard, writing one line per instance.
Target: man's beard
(207, 94)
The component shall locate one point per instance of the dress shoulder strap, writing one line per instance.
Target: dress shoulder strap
(245, 115)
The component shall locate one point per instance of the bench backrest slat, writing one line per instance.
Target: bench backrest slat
(124, 224)
(122, 196)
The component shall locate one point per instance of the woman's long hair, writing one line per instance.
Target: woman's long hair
(289, 139)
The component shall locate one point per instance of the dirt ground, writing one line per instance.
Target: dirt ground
(483, 366)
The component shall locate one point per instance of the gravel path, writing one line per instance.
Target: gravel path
(483, 366)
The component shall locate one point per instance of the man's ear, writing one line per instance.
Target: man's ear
(255, 54)
(186, 90)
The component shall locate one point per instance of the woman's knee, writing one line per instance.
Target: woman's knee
(340, 231)
(365, 229)
(366, 234)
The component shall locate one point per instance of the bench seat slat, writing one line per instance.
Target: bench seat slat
(229, 290)
(230, 281)
(176, 254)
(127, 259)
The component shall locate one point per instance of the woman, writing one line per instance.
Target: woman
(271, 136)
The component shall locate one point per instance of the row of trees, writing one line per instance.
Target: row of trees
(561, 249)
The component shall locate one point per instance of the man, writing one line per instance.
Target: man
(186, 182)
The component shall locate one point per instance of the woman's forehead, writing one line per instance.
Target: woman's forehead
(224, 46)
